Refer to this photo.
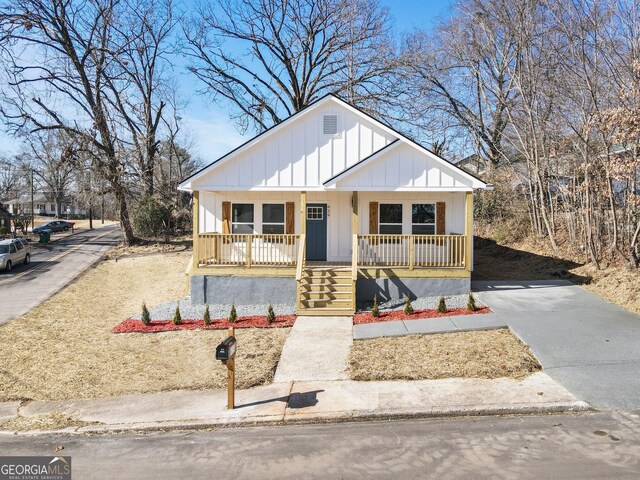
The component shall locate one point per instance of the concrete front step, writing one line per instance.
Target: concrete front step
(324, 312)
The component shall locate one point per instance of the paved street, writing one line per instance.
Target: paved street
(585, 343)
(52, 267)
(569, 446)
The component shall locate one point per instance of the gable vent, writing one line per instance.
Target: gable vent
(330, 125)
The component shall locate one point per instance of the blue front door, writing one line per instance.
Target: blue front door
(316, 231)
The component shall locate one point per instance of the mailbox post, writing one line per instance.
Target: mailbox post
(226, 352)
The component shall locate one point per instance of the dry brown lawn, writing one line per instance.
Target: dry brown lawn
(64, 348)
(52, 421)
(483, 354)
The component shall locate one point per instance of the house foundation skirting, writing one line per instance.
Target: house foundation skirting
(398, 287)
(262, 290)
(242, 290)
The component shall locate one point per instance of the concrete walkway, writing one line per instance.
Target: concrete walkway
(590, 346)
(456, 323)
(294, 402)
(317, 349)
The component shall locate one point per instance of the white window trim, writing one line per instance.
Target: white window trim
(435, 218)
(263, 223)
(381, 223)
(243, 223)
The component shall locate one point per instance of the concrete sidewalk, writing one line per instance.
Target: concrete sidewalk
(455, 323)
(294, 402)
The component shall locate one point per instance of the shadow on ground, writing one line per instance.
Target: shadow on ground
(493, 261)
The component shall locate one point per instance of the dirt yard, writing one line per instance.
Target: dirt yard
(532, 259)
(484, 354)
(64, 348)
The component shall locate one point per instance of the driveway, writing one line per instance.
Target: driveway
(52, 267)
(590, 346)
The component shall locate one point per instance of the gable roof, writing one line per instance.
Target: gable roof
(399, 138)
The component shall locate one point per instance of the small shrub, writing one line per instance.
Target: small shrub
(207, 316)
(233, 316)
(177, 318)
(471, 303)
(408, 308)
(442, 306)
(375, 311)
(271, 317)
(145, 317)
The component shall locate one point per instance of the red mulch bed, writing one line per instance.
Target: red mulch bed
(366, 317)
(136, 326)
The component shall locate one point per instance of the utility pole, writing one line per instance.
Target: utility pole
(32, 206)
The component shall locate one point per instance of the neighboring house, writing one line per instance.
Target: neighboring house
(328, 208)
(44, 205)
(473, 164)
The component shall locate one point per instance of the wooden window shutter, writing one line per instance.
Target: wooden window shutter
(373, 218)
(289, 219)
(289, 216)
(226, 218)
(440, 215)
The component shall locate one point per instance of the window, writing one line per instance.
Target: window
(272, 218)
(12, 248)
(242, 218)
(19, 245)
(315, 213)
(390, 218)
(423, 219)
(330, 124)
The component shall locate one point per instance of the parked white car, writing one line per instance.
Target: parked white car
(13, 252)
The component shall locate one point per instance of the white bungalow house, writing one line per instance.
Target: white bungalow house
(330, 207)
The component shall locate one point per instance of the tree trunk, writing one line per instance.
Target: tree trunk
(125, 221)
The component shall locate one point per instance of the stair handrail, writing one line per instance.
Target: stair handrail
(301, 256)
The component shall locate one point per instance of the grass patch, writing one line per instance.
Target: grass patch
(483, 354)
(51, 421)
(64, 348)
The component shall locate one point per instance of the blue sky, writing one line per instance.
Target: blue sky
(208, 125)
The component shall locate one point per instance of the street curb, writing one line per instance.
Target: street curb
(435, 413)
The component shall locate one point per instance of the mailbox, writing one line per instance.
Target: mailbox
(227, 349)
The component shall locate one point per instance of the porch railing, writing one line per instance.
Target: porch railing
(277, 250)
(411, 251)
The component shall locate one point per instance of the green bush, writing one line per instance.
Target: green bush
(271, 317)
(442, 306)
(375, 311)
(145, 317)
(151, 218)
(471, 303)
(233, 316)
(408, 308)
(177, 318)
(4, 230)
(207, 316)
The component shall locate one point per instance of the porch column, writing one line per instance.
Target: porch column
(468, 230)
(354, 214)
(303, 212)
(196, 228)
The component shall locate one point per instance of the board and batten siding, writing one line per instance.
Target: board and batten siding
(339, 212)
(300, 156)
(403, 167)
(454, 208)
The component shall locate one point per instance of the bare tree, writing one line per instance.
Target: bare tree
(51, 156)
(270, 58)
(58, 56)
(139, 88)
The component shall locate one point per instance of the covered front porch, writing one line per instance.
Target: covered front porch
(328, 229)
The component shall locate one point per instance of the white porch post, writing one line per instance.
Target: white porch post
(468, 230)
(196, 228)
